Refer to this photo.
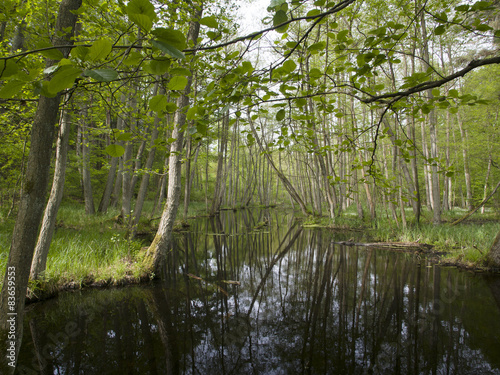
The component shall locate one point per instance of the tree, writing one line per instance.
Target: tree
(13, 295)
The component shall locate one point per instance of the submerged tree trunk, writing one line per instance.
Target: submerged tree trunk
(32, 201)
(156, 254)
(49, 218)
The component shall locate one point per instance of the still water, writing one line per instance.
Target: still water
(241, 297)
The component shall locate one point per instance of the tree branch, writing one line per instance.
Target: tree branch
(432, 84)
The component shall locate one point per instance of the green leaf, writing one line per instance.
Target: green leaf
(191, 113)
(11, 88)
(180, 72)
(64, 78)
(172, 37)
(158, 103)
(133, 59)
(158, 67)
(313, 12)
(436, 92)
(289, 66)
(141, 7)
(8, 68)
(99, 50)
(142, 13)
(171, 107)
(201, 127)
(142, 20)
(124, 137)
(280, 115)
(53, 54)
(209, 22)
(177, 83)
(280, 17)
(453, 93)
(115, 151)
(276, 3)
(102, 75)
(440, 30)
(79, 52)
(168, 49)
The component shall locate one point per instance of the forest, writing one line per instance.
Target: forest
(125, 119)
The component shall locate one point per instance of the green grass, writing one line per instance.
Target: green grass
(466, 244)
(84, 247)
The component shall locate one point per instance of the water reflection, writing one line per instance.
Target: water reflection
(278, 300)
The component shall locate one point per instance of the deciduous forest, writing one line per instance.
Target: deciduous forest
(133, 116)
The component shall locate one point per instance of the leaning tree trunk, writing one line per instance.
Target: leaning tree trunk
(32, 201)
(49, 218)
(156, 254)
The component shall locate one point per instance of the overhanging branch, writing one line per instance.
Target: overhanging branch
(429, 85)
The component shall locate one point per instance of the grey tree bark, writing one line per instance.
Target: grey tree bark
(86, 174)
(32, 202)
(156, 254)
(39, 262)
(141, 196)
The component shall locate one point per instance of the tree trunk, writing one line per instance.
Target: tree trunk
(156, 254)
(108, 189)
(141, 196)
(49, 219)
(86, 175)
(32, 201)
(488, 171)
(465, 152)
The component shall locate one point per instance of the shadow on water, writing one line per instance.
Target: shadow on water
(278, 300)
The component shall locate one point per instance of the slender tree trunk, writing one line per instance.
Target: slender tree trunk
(288, 186)
(86, 174)
(128, 168)
(434, 190)
(141, 196)
(39, 262)
(465, 152)
(32, 201)
(488, 171)
(156, 254)
(108, 189)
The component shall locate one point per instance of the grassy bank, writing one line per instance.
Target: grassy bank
(94, 249)
(85, 250)
(464, 245)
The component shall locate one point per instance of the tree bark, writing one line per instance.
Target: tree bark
(33, 197)
(156, 254)
(465, 152)
(86, 174)
(49, 219)
(141, 196)
(108, 189)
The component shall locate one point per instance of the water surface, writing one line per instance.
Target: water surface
(243, 297)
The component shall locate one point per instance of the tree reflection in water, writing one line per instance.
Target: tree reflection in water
(279, 300)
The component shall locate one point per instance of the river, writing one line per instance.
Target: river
(254, 293)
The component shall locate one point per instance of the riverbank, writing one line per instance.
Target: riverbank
(94, 251)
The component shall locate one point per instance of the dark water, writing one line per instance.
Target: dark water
(304, 306)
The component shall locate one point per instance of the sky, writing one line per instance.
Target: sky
(250, 14)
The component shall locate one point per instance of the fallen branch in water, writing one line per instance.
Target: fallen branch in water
(391, 245)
